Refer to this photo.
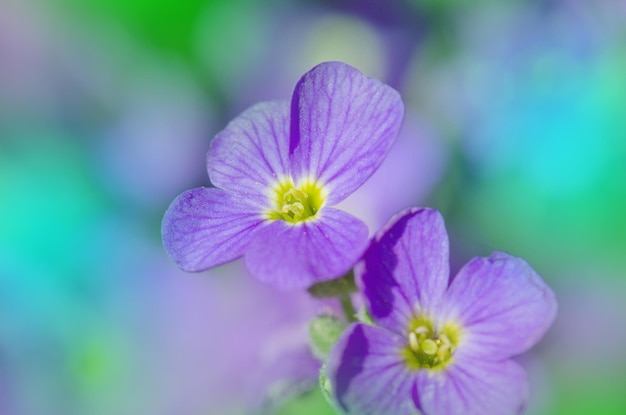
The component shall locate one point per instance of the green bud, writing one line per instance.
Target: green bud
(324, 331)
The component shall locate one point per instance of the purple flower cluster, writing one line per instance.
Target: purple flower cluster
(432, 347)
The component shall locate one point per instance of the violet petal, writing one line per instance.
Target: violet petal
(294, 256)
(251, 154)
(405, 270)
(473, 387)
(368, 374)
(342, 126)
(205, 227)
(502, 304)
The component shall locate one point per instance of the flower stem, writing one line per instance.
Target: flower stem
(347, 307)
(339, 288)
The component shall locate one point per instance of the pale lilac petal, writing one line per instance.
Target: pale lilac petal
(368, 374)
(291, 374)
(473, 387)
(502, 304)
(405, 270)
(251, 153)
(342, 126)
(205, 227)
(296, 256)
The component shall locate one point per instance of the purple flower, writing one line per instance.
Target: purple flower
(438, 349)
(277, 168)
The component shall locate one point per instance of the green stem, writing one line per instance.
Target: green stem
(347, 307)
(340, 288)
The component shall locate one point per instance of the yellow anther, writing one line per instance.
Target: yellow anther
(294, 205)
(445, 349)
(429, 346)
(293, 195)
(445, 341)
(413, 342)
(421, 330)
(294, 210)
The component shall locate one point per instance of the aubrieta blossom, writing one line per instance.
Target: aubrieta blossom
(277, 168)
(438, 349)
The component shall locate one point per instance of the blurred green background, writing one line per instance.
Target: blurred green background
(515, 130)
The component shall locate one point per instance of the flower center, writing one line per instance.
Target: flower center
(428, 348)
(296, 204)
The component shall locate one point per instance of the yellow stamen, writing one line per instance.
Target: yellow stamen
(421, 330)
(413, 342)
(295, 204)
(294, 195)
(429, 346)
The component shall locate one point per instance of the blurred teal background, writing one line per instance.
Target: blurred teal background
(515, 130)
